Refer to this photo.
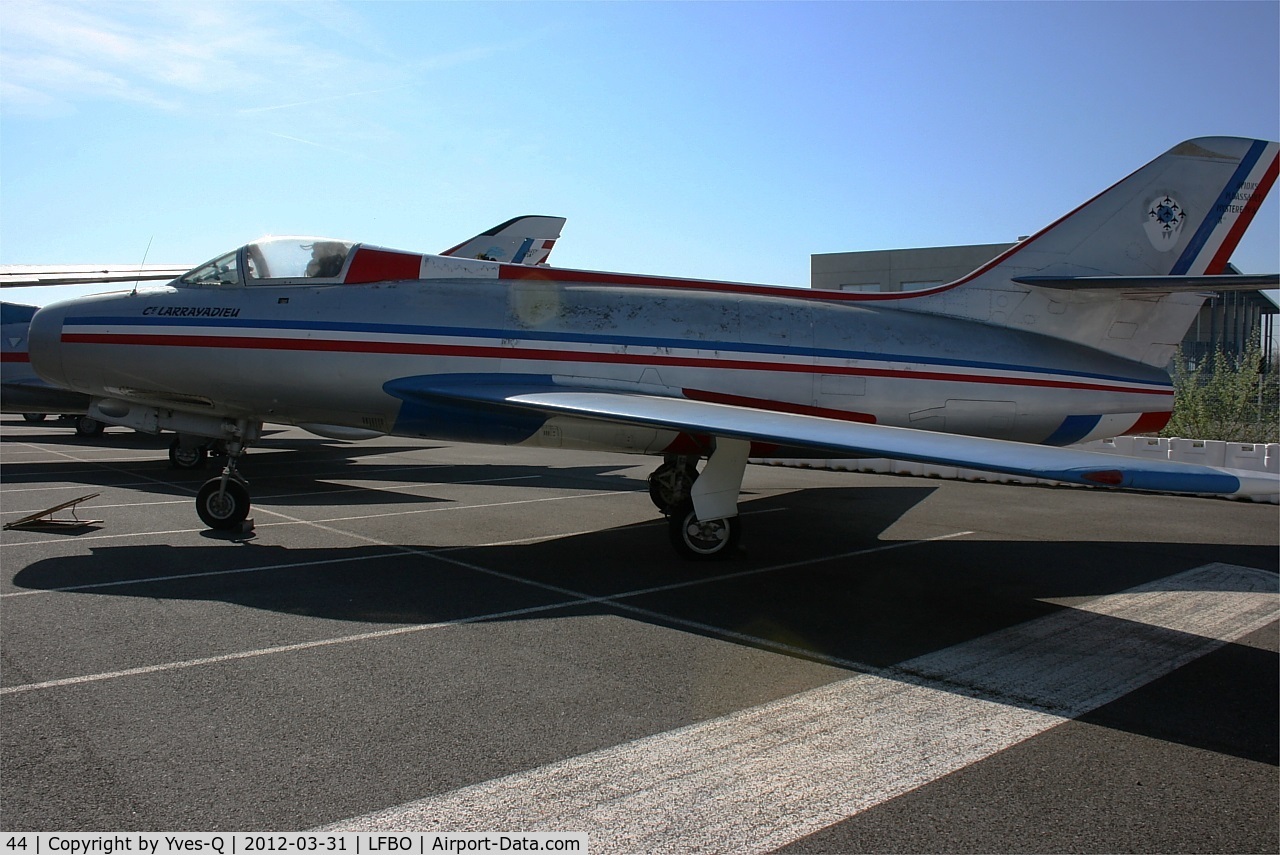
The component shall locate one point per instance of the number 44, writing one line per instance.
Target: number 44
(16, 843)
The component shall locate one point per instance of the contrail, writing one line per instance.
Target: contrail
(323, 100)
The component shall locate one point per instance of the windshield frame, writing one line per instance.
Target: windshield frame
(303, 257)
(213, 265)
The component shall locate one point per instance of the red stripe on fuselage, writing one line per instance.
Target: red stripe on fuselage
(635, 280)
(540, 355)
(701, 444)
(15, 356)
(1150, 423)
(778, 406)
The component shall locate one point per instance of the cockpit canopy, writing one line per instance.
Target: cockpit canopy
(277, 260)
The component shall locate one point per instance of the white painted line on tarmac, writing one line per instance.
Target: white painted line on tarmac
(203, 574)
(311, 494)
(268, 651)
(45, 489)
(763, 777)
(572, 598)
(288, 520)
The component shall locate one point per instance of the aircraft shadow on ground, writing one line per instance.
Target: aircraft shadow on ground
(871, 607)
(265, 451)
(310, 473)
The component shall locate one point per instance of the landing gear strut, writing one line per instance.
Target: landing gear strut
(223, 502)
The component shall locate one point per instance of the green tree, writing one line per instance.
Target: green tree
(1226, 397)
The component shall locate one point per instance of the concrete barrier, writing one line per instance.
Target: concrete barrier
(1206, 451)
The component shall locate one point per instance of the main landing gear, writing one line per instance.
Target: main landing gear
(698, 540)
(84, 426)
(671, 483)
(223, 502)
(702, 509)
(192, 452)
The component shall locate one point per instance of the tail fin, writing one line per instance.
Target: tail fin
(524, 240)
(1121, 272)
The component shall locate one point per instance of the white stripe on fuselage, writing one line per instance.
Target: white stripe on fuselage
(710, 354)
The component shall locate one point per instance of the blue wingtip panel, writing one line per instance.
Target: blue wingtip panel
(1178, 482)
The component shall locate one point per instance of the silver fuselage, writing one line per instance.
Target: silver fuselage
(303, 353)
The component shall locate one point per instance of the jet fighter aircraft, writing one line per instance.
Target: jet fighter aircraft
(1061, 339)
(21, 391)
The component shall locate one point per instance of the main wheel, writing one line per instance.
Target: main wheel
(222, 509)
(703, 540)
(33, 417)
(669, 485)
(86, 426)
(187, 456)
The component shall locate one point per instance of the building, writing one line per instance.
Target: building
(1229, 320)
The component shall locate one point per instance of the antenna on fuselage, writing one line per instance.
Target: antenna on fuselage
(143, 266)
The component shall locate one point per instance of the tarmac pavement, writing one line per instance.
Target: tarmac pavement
(452, 637)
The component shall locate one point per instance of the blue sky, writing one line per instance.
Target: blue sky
(718, 140)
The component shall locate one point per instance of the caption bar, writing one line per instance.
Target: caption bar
(240, 843)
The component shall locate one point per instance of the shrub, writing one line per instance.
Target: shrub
(1227, 397)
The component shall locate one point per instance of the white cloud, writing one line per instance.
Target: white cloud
(166, 55)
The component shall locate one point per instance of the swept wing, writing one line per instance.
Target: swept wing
(833, 436)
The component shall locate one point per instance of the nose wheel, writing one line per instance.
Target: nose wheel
(222, 506)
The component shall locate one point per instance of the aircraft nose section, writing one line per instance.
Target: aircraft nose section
(44, 342)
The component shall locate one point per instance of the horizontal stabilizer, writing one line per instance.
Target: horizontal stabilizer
(1164, 284)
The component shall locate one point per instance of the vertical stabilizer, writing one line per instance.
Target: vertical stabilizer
(1179, 216)
(524, 240)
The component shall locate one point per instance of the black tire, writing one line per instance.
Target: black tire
(222, 510)
(33, 417)
(187, 456)
(86, 426)
(713, 540)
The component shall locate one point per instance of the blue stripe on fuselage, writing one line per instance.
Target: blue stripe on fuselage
(599, 338)
(1072, 430)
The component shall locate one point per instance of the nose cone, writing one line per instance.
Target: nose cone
(45, 344)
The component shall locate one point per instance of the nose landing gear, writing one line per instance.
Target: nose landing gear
(223, 502)
(223, 506)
